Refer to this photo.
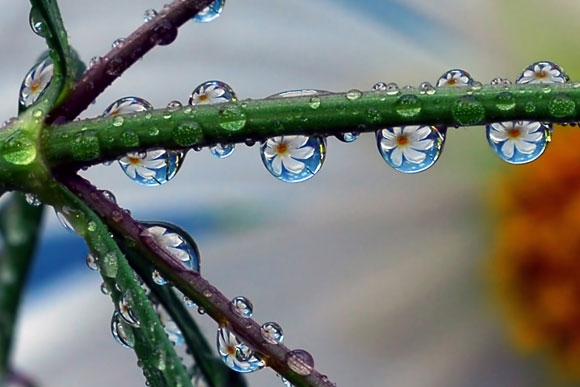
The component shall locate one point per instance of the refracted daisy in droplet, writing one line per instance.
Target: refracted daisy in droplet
(143, 166)
(36, 81)
(406, 143)
(170, 241)
(543, 72)
(127, 105)
(208, 93)
(455, 77)
(236, 354)
(286, 151)
(526, 139)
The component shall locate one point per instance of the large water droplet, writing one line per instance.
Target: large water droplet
(212, 92)
(300, 362)
(222, 151)
(36, 21)
(467, 110)
(35, 82)
(210, 12)
(455, 77)
(242, 306)
(236, 354)
(153, 167)
(410, 149)
(272, 332)
(293, 158)
(125, 309)
(518, 142)
(19, 150)
(543, 72)
(176, 241)
(121, 331)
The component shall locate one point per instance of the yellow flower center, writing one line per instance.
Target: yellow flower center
(203, 97)
(402, 140)
(231, 350)
(281, 148)
(451, 82)
(514, 133)
(134, 160)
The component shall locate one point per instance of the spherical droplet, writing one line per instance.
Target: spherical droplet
(518, 142)
(118, 43)
(500, 82)
(235, 354)
(408, 105)
(176, 241)
(427, 88)
(410, 149)
(272, 332)
(92, 262)
(468, 110)
(232, 118)
(149, 15)
(125, 309)
(348, 137)
(105, 289)
(95, 61)
(121, 331)
(314, 102)
(300, 362)
(212, 92)
(543, 72)
(293, 159)
(455, 77)
(35, 82)
(561, 106)
(505, 101)
(242, 306)
(153, 167)
(353, 94)
(109, 196)
(37, 22)
(382, 86)
(127, 105)
(210, 12)
(222, 151)
(172, 330)
(174, 105)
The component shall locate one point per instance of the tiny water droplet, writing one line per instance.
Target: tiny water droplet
(314, 102)
(500, 82)
(64, 222)
(91, 226)
(353, 94)
(157, 278)
(36, 22)
(530, 107)
(392, 89)
(118, 43)
(427, 88)
(174, 105)
(242, 306)
(382, 86)
(505, 101)
(109, 196)
(210, 12)
(200, 310)
(235, 354)
(105, 289)
(455, 77)
(32, 200)
(176, 241)
(92, 262)
(110, 265)
(125, 309)
(149, 15)
(188, 302)
(561, 106)
(300, 362)
(35, 82)
(118, 121)
(293, 159)
(121, 331)
(543, 72)
(286, 382)
(408, 105)
(272, 332)
(518, 142)
(222, 151)
(348, 137)
(468, 110)
(410, 149)
(95, 60)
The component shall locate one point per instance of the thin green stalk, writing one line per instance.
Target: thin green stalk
(88, 142)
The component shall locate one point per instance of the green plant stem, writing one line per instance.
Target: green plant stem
(88, 142)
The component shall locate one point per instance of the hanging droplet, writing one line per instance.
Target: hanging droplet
(235, 354)
(210, 12)
(410, 149)
(222, 151)
(158, 278)
(348, 137)
(293, 158)
(153, 167)
(118, 43)
(149, 15)
(300, 362)
(92, 262)
(242, 306)
(272, 332)
(121, 331)
(125, 309)
(62, 219)
(188, 302)
(176, 241)
(518, 142)
(455, 77)
(36, 22)
(35, 82)
(105, 289)
(543, 72)
(212, 92)
(173, 332)
(32, 200)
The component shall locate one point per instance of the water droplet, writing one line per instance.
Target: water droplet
(300, 362)
(286, 382)
(500, 82)
(115, 67)
(314, 102)
(85, 146)
(543, 72)
(212, 92)
(561, 106)
(19, 150)
(188, 302)
(153, 167)
(187, 134)
(36, 22)
(235, 354)
(125, 309)
(272, 332)
(210, 12)
(91, 226)
(121, 331)
(408, 105)
(382, 86)
(92, 262)
(518, 142)
(32, 200)
(118, 43)
(293, 158)
(455, 77)
(157, 278)
(468, 110)
(392, 89)
(348, 137)
(149, 15)
(353, 94)
(410, 149)
(232, 118)
(35, 82)
(222, 151)
(176, 241)
(174, 105)
(105, 289)
(127, 105)
(64, 222)
(95, 60)
(505, 101)
(163, 32)
(109, 196)
(530, 107)
(200, 310)
(427, 88)
(242, 306)
(110, 265)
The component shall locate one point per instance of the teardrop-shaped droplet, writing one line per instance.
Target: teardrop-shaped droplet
(149, 15)
(92, 262)
(153, 167)
(158, 278)
(121, 331)
(125, 309)
(235, 354)
(37, 22)
(35, 82)
(543, 72)
(242, 306)
(272, 332)
(222, 151)
(410, 149)
(518, 142)
(176, 241)
(348, 137)
(300, 361)
(212, 92)
(64, 222)
(293, 158)
(455, 77)
(210, 12)
(32, 200)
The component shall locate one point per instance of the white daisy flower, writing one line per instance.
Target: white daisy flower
(286, 151)
(543, 72)
(170, 241)
(35, 82)
(407, 142)
(454, 78)
(207, 95)
(143, 165)
(520, 135)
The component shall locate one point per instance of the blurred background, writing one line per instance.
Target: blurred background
(435, 279)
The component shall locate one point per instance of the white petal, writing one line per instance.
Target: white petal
(397, 157)
(293, 165)
(277, 165)
(422, 145)
(525, 147)
(507, 149)
(295, 142)
(414, 156)
(303, 153)
(131, 171)
(533, 137)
